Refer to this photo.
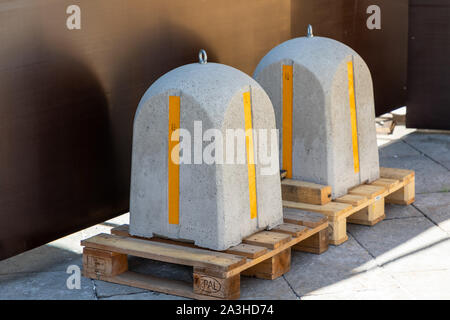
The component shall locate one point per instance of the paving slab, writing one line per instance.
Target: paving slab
(436, 206)
(383, 294)
(430, 176)
(434, 145)
(311, 272)
(42, 259)
(107, 289)
(148, 295)
(43, 286)
(363, 285)
(394, 211)
(425, 285)
(412, 244)
(254, 289)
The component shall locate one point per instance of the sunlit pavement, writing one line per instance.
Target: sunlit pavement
(406, 256)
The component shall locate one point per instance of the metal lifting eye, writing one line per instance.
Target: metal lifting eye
(202, 57)
(310, 31)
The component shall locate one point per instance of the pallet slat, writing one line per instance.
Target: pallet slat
(403, 175)
(332, 209)
(247, 250)
(389, 184)
(303, 218)
(368, 191)
(148, 282)
(353, 199)
(268, 239)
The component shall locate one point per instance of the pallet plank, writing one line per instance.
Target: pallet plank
(368, 191)
(303, 218)
(399, 174)
(163, 285)
(332, 209)
(294, 230)
(164, 252)
(389, 184)
(247, 250)
(268, 239)
(353, 199)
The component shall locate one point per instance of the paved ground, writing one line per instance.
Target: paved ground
(406, 256)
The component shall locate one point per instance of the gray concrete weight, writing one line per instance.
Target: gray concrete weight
(214, 205)
(323, 148)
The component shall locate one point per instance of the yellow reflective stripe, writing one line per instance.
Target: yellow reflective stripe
(250, 155)
(351, 92)
(174, 160)
(287, 119)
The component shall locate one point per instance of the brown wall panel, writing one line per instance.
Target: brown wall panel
(428, 65)
(385, 50)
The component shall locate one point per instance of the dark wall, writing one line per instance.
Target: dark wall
(384, 50)
(428, 65)
(68, 97)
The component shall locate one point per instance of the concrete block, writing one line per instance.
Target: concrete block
(332, 133)
(215, 200)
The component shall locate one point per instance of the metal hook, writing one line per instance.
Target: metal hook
(310, 31)
(202, 57)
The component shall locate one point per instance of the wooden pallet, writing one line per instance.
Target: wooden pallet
(363, 204)
(216, 275)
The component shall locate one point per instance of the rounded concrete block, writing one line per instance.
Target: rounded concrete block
(214, 199)
(323, 148)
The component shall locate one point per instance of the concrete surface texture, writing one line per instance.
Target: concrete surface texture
(406, 256)
(322, 145)
(214, 200)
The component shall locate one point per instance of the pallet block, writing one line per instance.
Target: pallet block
(300, 191)
(363, 204)
(216, 275)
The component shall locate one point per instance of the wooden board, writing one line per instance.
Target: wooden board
(332, 209)
(353, 199)
(291, 229)
(390, 184)
(304, 218)
(398, 174)
(369, 191)
(271, 240)
(247, 250)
